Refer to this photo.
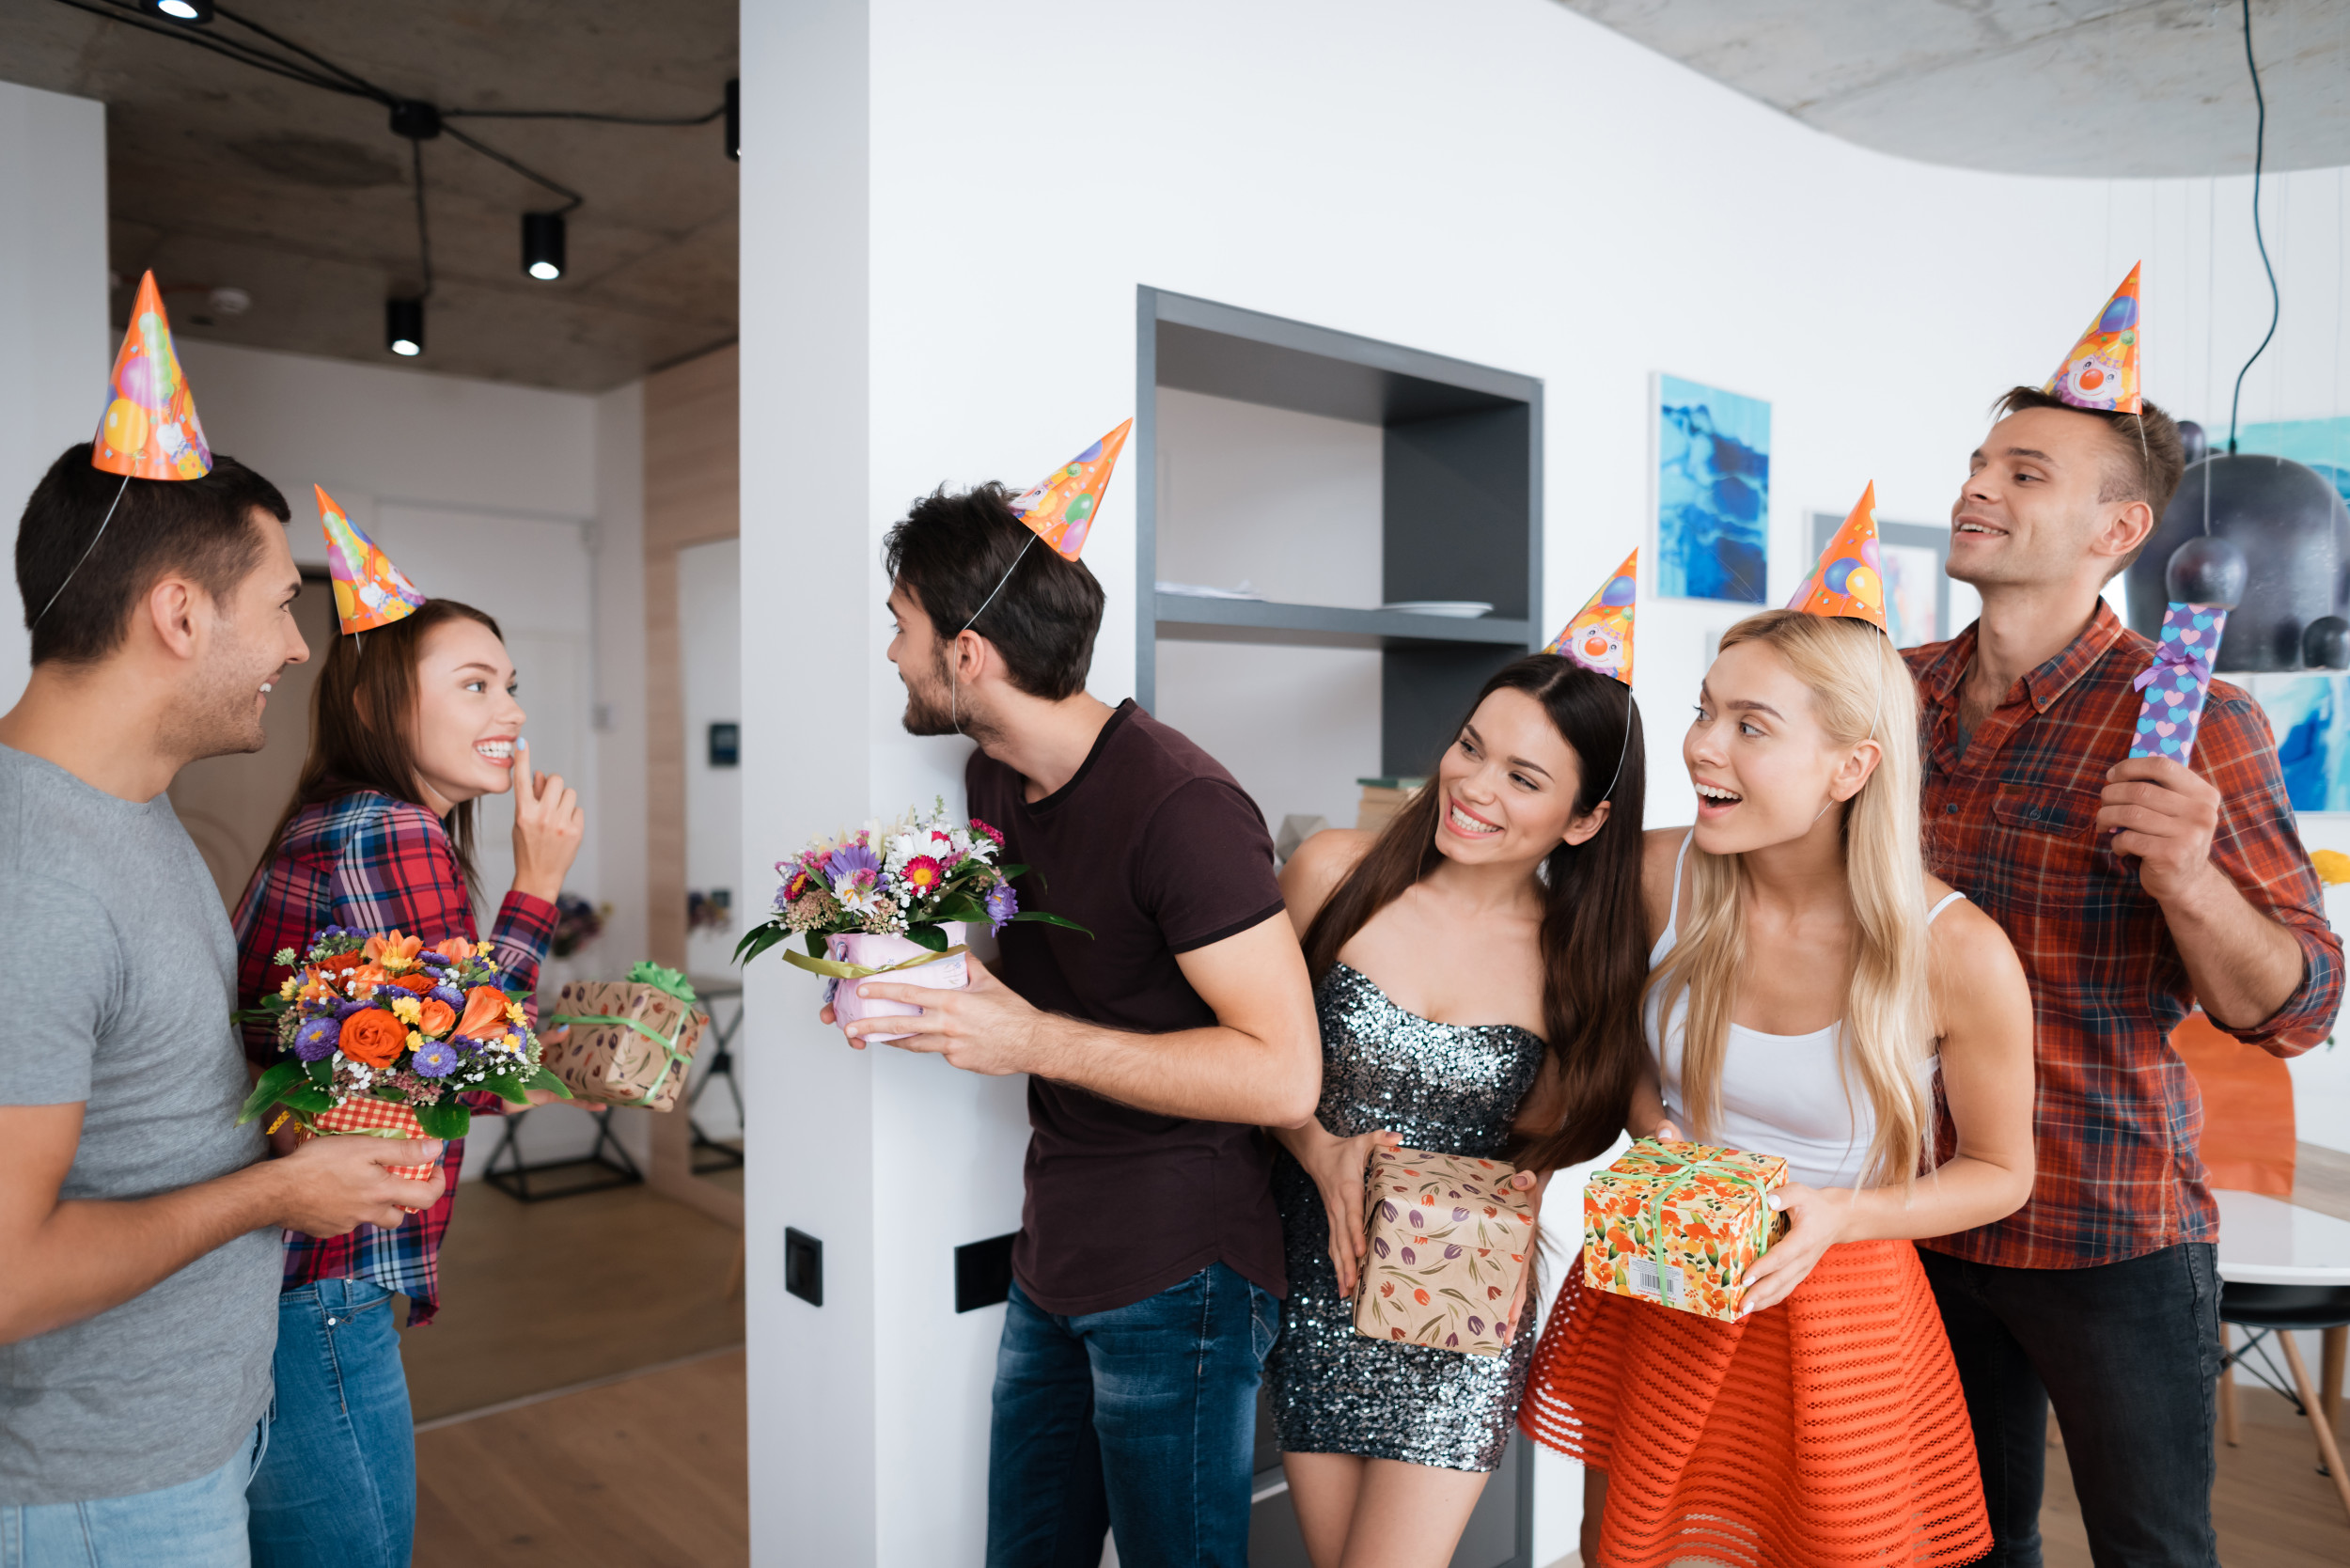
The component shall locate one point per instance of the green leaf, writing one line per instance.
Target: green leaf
(759, 939)
(540, 1078)
(321, 1072)
(266, 1090)
(1041, 918)
(816, 943)
(927, 936)
(308, 1099)
(449, 1119)
(506, 1086)
(392, 1096)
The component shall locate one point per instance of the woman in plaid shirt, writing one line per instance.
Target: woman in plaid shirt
(379, 838)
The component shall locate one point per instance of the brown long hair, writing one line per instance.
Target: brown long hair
(1594, 943)
(362, 716)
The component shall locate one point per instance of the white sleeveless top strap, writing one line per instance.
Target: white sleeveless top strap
(1782, 1094)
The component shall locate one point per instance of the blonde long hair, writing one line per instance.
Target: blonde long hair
(1859, 686)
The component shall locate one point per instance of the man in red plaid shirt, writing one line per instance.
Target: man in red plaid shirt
(2133, 891)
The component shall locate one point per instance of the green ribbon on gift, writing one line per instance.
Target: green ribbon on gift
(860, 971)
(1687, 1169)
(669, 981)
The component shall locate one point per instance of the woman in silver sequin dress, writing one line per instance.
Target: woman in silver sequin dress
(1477, 966)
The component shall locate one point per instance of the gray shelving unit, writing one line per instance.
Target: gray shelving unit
(1461, 518)
(1461, 469)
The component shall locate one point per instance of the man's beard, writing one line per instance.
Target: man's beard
(926, 714)
(220, 718)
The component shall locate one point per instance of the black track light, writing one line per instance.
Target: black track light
(190, 13)
(542, 246)
(416, 119)
(735, 119)
(403, 327)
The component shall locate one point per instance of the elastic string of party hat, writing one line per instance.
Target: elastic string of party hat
(88, 548)
(954, 685)
(1626, 752)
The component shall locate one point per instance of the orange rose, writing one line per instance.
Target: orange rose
(436, 1018)
(394, 946)
(485, 1012)
(373, 1038)
(341, 962)
(456, 947)
(420, 982)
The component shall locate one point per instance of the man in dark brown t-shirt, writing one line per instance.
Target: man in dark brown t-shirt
(1150, 1255)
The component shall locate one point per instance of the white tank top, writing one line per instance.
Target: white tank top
(1782, 1095)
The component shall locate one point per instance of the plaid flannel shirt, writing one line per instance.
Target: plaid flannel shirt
(367, 862)
(2010, 821)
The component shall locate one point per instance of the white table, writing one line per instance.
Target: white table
(2297, 1258)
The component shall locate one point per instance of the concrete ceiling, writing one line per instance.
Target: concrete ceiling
(220, 174)
(2117, 88)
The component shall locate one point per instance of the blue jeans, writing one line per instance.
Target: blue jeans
(1140, 1421)
(197, 1524)
(339, 1488)
(2128, 1353)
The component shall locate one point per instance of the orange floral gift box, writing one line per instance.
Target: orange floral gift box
(1679, 1224)
(1448, 1241)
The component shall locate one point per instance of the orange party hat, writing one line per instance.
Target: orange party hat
(1061, 507)
(2100, 372)
(368, 590)
(1849, 578)
(150, 429)
(1599, 636)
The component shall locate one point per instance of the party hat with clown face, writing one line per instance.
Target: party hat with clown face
(1060, 507)
(368, 590)
(1849, 578)
(150, 429)
(2100, 372)
(1599, 636)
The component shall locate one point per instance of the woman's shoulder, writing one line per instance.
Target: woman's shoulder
(1961, 932)
(1313, 872)
(338, 822)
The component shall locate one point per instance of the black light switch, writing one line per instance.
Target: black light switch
(983, 1273)
(804, 1266)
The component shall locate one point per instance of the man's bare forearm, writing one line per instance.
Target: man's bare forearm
(2244, 966)
(89, 1255)
(1211, 1074)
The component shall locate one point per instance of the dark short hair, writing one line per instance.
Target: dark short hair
(199, 529)
(951, 551)
(2147, 455)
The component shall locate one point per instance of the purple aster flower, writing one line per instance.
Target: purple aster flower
(450, 994)
(849, 859)
(315, 1040)
(344, 1010)
(1002, 905)
(435, 1059)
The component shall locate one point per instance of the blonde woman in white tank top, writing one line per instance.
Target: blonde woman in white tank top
(1840, 985)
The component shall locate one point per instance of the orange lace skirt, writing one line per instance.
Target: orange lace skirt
(1829, 1428)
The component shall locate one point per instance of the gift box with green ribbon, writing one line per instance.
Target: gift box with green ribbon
(1680, 1223)
(625, 1042)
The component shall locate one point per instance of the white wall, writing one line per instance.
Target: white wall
(511, 499)
(1496, 180)
(53, 313)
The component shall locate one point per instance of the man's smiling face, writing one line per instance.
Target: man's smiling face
(2037, 496)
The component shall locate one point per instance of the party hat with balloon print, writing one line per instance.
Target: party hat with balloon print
(368, 590)
(150, 429)
(2100, 372)
(1061, 507)
(1849, 577)
(1599, 636)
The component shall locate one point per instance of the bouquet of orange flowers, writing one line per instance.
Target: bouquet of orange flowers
(383, 1034)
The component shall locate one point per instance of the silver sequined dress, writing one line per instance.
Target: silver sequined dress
(1451, 1089)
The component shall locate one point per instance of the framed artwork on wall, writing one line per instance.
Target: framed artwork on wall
(1713, 493)
(1917, 590)
(2309, 715)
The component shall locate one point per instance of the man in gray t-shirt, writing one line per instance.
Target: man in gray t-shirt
(139, 1226)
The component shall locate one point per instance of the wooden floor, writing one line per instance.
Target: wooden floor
(650, 1472)
(538, 1296)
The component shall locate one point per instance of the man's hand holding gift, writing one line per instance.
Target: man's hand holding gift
(2166, 814)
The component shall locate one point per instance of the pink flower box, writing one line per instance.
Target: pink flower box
(877, 951)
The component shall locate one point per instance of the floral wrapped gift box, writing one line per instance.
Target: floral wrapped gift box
(628, 1043)
(1448, 1241)
(1678, 1223)
(382, 1035)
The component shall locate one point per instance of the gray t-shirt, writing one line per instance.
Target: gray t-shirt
(117, 973)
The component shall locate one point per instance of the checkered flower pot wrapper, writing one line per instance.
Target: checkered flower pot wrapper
(370, 1119)
(1679, 1224)
(1449, 1242)
(640, 1061)
(2178, 683)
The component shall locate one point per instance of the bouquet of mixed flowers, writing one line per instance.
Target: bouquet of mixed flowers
(910, 879)
(384, 1034)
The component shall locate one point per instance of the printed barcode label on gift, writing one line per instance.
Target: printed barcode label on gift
(1646, 1281)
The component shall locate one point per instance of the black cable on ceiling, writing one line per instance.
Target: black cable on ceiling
(122, 11)
(2275, 300)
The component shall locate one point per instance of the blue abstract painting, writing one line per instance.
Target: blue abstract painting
(1713, 493)
(2310, 717)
